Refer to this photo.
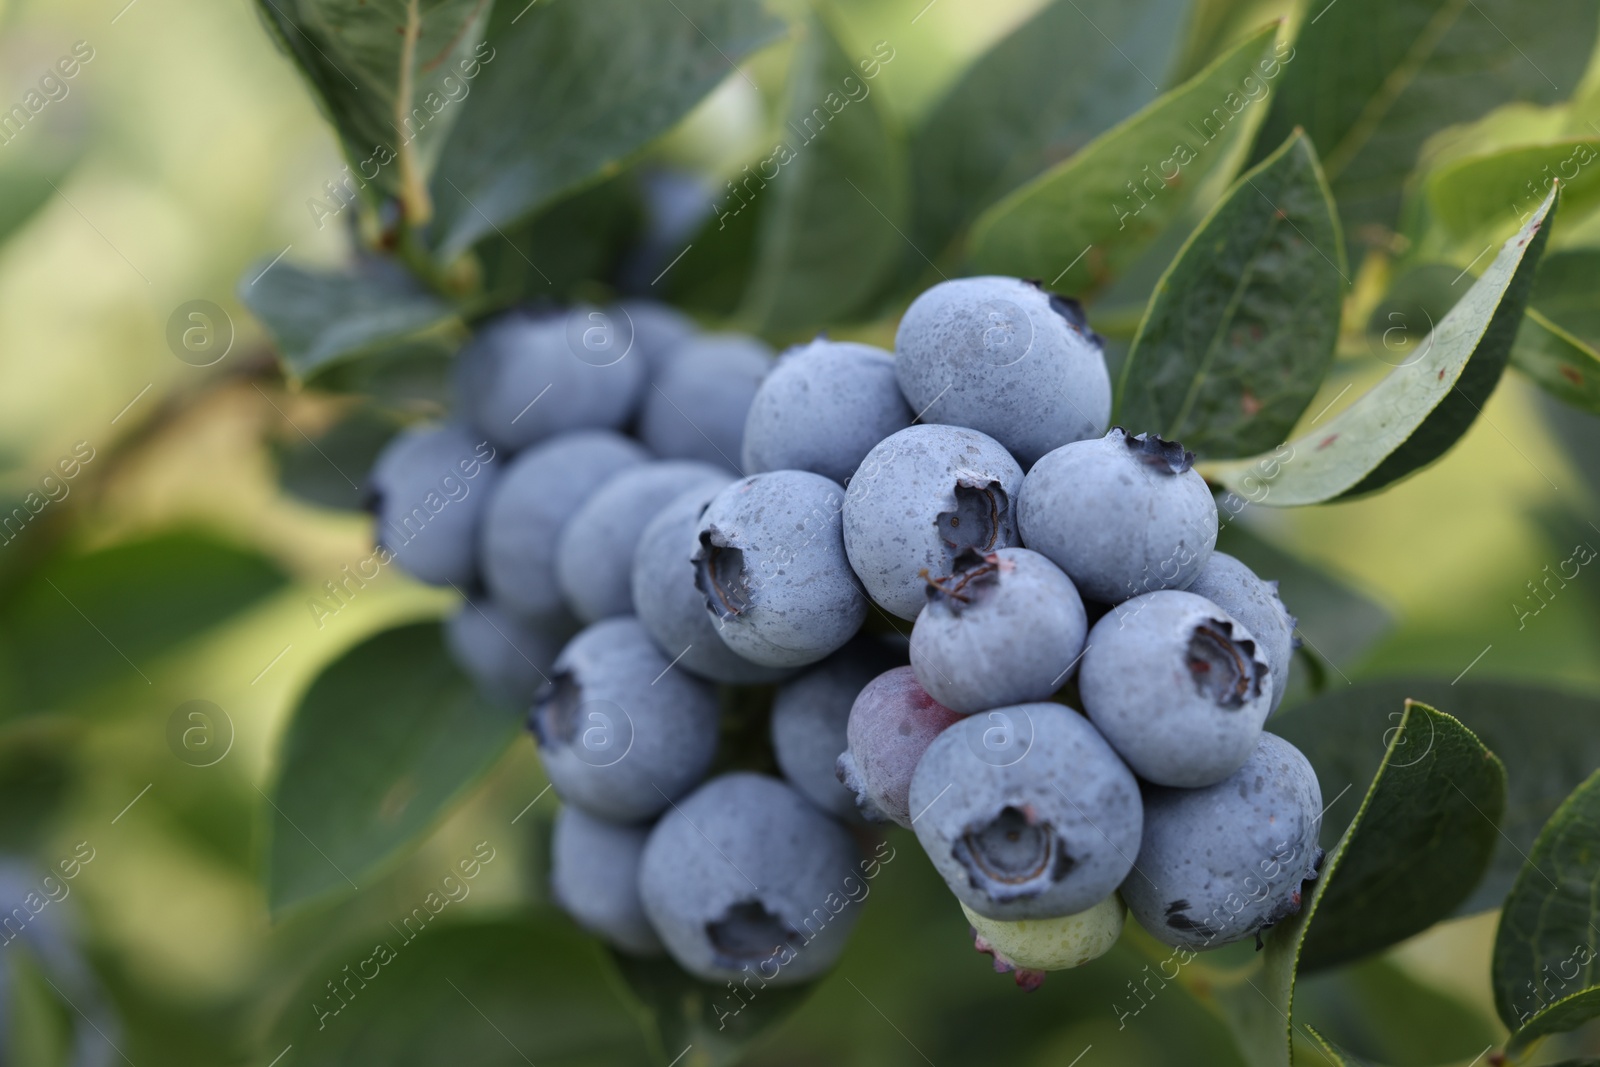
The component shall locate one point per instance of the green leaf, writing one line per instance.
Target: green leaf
(1473, 202)
(1564, 291)
(1335, 1055)
(1424, 754)
(1559, 362)
(1379, 1009)
(1422, 407)
(572, 90)
(390, 75)
(708, 1021)
(1420, 845)
(837, 181)
(1370, 81)
(715, 271)
(1548, 740)
(319, 470)
(1113, 198)
(567, 244)
(27, 182)
(383, 743)
(491, 993)
(81, 621)
(1546, 974)
(1241, 329)
(321, 318)
(1019, 109)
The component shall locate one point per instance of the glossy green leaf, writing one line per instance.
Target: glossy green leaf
(321, 318)
(1422, 407)
(1421, 844)
(1559, 362)
(390, 75)
(1019, 110)
(1241, 329)
(1547, 952)
(491, 993)
(571, 90)
(712, 1024)
(387, 738)
(107, 617)
(1086, 220)
(836, 177)
(1424, 754)
(1335, 1055)
(1548, 740)
(1371, 80)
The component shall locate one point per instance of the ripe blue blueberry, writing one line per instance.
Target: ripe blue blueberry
(822, 409)
(1026, 812)
(525, 377)
(696, 408)
(594, 876)
(1004, 627)
(891, 724)
(771, 565)
(1222, 863)
(919, 498)
(1121, 515)
(428, 491)
(656, 330)
(744, 878)
(810, 716)
(541, 489)
(594, 552)
(1177, 686)
(507, 657)
(1234, 588)
(620, 735)
(1005, 357)
(669, 605)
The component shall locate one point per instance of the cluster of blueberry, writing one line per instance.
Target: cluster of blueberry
(882, 485)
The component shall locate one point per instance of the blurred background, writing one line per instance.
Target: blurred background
(172, 568)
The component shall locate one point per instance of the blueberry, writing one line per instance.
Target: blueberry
(428, 490)
(669, 605)
(1003, 628)
(1177, 686)
(594, 876)
(919, 498)
(1031, 947)
(1007, 358)
(1222, 863)
(656, 330)
(822, 409)
(526, 377)
(1121, 515)
(771, 564)
(810, 716)
(594, 553)
(1026, 812)
(541, 489)
(746, 879)
(696, 408)
(1234, 588)
(507, 658)
(891, 724)
(620, 735)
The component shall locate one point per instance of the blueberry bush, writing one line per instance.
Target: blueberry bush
(916, 503)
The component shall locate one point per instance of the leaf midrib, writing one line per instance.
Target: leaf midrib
(1394, 83)
(1223, 324)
